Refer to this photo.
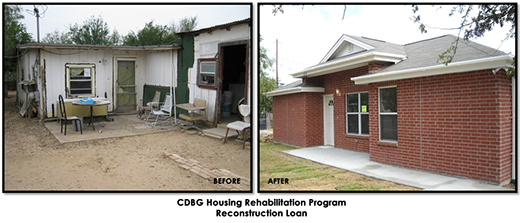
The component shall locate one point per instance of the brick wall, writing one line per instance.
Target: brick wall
(298, 119)
(456, 124)
(341, 80)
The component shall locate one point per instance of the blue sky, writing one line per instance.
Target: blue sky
(305, 34)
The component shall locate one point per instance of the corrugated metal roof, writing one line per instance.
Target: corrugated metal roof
(222, 26)
(86, 46)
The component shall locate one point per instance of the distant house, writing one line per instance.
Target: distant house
(397, 103)
(119, 74)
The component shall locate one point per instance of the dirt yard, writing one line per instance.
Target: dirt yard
(35, 160)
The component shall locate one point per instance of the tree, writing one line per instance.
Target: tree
(57, 37)
(151, 35)
(186, 24)
(94, 31)
(266, 83)
(14, 33)
(487, 17)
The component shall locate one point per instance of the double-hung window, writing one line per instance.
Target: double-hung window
(207, 73)
(357, 113)
(80, 80)
(388, 114)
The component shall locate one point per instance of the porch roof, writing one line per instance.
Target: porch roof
(296, 87)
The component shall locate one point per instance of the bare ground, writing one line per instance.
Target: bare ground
(35, 160)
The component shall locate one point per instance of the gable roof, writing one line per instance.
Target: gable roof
(361, 44)
(409, 58)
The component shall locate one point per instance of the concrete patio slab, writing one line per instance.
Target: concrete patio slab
(122, 125)
(359, 162)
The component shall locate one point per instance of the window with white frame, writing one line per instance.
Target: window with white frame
(388, 114)
(357, 113)
(207, 73)
(80, 80)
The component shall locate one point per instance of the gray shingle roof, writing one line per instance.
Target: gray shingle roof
(426, 53)
(382, 46)
(423, 53)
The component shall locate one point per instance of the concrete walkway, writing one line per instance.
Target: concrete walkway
(359, 162)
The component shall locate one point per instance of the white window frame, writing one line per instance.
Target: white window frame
(92, 79)
(385, 113)
(359, 113)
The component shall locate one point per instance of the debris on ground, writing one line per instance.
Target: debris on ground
(267, 138)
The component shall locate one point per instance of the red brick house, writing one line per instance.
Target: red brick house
(400, 105)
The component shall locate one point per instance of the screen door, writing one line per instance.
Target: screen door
(126, 87)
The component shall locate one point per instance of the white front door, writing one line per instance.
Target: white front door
(328, 120)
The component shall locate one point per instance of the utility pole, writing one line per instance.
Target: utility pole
(276, 63)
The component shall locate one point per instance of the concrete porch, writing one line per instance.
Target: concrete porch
(122, 125)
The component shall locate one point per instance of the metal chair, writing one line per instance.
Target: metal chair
(194, 116)
(64, 118)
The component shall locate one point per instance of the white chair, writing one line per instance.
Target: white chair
(241, 125)
(163, 114)
(150, 105)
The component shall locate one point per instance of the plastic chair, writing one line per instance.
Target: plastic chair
(64, 118)
(241, 125)
(163, 113)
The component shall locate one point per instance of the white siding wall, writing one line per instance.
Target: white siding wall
(156, 67)
(206, 46)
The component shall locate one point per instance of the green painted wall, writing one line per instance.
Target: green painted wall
(185, 61)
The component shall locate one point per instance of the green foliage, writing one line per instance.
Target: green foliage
(486, 18)
(186, 24)
(94, 31)
(265, 62)
(151, 35)
(266, 83)
(14, 33)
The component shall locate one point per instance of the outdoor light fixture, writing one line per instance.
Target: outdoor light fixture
(338, 92)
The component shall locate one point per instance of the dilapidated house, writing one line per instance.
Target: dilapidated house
(118, 74)
(216, 65)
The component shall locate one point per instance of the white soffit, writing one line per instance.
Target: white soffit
(348, 63)
(295, 90)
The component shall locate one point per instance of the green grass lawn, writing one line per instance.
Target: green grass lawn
(305, 175)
